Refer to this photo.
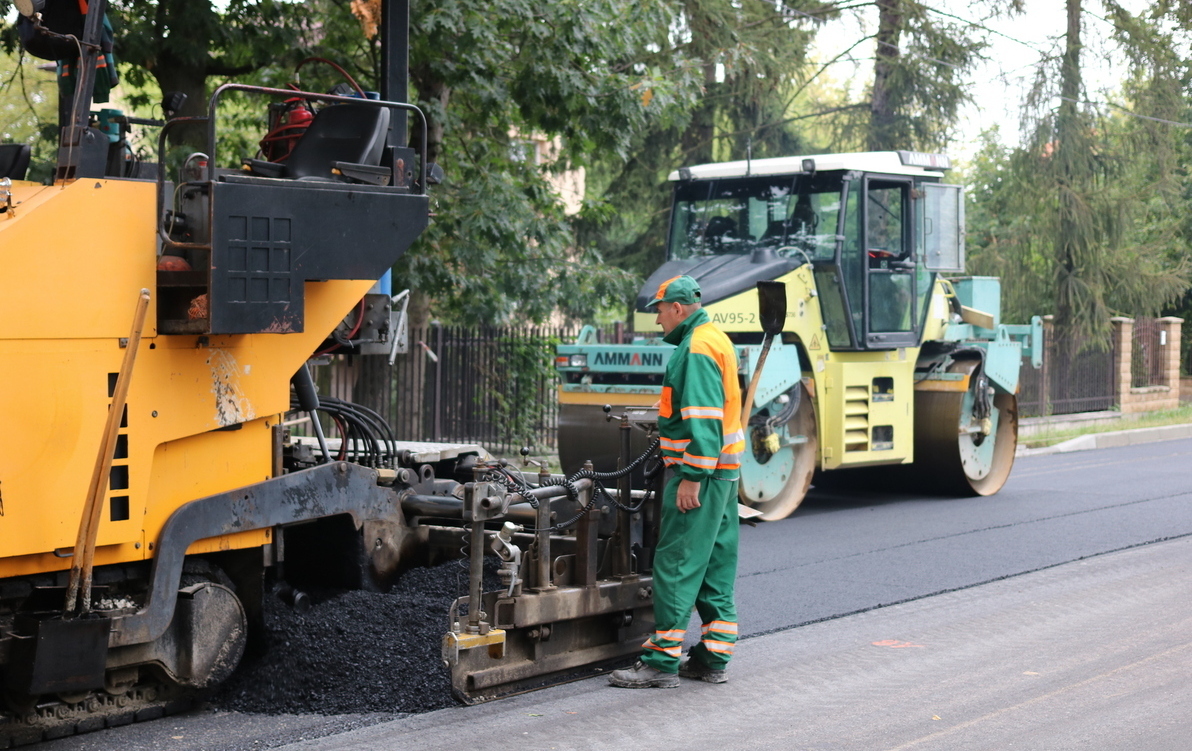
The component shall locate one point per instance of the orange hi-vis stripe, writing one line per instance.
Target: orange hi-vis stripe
(675, 651)
(723, 647)
(723, 627)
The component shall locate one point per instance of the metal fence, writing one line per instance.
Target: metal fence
(1075, 377)
(497, 385)
(1147, 366)
(491, 385)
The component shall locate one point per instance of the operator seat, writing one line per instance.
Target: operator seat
(795, 230)
(14, 160)
(720, 236)
(344, 143)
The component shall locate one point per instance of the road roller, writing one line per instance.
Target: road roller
(156, 325)
(891, 365)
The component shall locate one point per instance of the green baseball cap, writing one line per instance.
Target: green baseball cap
(680, 289)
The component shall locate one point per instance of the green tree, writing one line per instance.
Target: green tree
(490, 77)
(759, 92)
(917, 92)
(576, 74)
(180, 44)
(29, 110)
(1155, 40)
(749, 57)
(1086, 219)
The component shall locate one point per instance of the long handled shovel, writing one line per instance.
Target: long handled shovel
(771, 310)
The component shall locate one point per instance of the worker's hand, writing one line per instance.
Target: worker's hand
(688, 495)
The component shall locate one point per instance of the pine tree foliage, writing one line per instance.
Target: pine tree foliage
(750, 57)
(919, 77)
(1160, 52)
(1083, 220)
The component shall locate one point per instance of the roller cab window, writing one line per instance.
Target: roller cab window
(890, 282)
(873, 289)
(788, 215)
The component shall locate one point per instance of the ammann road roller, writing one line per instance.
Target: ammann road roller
(892, 366)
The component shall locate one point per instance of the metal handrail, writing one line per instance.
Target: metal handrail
(167, 242)
(289, 93)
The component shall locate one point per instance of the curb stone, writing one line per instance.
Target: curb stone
(1111, 440)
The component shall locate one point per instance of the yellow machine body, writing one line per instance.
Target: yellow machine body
(201, 411)
(842, 383)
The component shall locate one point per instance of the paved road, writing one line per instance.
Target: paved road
(841, 554)
(1015, 629)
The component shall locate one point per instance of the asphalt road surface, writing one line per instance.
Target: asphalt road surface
(1053, 615)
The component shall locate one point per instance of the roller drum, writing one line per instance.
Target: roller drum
(776, 484)
(950, 455)
(585, 432)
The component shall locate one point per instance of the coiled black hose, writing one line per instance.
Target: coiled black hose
(361, 428)
(568, 484)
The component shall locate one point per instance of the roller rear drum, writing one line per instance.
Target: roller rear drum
(959, 449)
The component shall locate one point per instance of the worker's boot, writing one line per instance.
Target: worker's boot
(693, 668)
(642, 675)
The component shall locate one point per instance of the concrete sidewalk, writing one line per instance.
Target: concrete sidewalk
(1094, 654)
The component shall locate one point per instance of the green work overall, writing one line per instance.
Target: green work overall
(695, 565)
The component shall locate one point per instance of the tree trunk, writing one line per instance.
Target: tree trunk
(192, 82)
(883, 134)
(418, 310)
(697, 139)
(1070, 141)
(434, 95)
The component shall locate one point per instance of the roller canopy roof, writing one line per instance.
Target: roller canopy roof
(888, 162)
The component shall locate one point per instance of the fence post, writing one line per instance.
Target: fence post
(1123, 357)
(439, 382)
(1045, 374)
(1170, 329)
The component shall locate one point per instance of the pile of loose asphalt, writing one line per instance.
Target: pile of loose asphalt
(352, 652)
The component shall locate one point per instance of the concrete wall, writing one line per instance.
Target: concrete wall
(1149, 398)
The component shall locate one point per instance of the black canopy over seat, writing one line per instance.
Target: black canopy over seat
(343, 143)
(14, 160)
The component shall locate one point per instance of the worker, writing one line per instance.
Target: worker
(695, 562)
(53, 33)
